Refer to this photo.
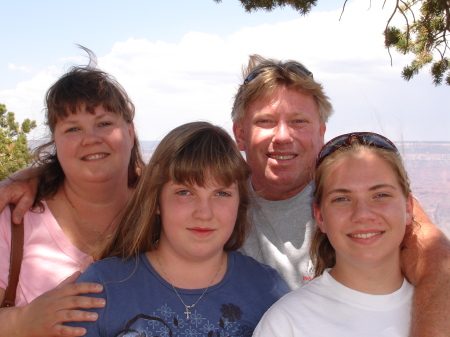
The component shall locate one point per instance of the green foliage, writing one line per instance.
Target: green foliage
(427, 26)
(14, 151)
(425, 34)
(302, 6)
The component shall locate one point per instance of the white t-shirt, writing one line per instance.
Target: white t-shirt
(325, 307)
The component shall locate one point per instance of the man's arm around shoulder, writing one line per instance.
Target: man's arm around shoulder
(426, 264)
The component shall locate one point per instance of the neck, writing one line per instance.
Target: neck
(189, 274)
(277, 192)
(97, 193)
(376, 279)
(100, 207)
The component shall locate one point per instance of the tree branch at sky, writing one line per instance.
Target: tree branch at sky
(425, 33)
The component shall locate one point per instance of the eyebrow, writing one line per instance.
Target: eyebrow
(95, 118)
(372, 188)
(377, 187)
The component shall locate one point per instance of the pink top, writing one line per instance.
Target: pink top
(49, 257)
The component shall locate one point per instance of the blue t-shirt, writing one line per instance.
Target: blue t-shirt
(139, 302)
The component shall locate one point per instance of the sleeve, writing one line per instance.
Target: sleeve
(94, 329)
(5, 246)
(279, 285)
(275, 323)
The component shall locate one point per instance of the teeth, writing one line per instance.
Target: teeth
(281, 157)
(95, 156)
(364, 236)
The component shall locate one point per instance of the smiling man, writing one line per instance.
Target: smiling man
(279, 120)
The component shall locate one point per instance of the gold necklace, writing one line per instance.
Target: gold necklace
(187, 307)
(78, 214)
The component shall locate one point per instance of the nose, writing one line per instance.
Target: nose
(362, 212)
(91, 137)
(203, 210)
(282, 133)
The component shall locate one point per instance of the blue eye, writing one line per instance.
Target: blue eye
(223, 194)
(72, 129)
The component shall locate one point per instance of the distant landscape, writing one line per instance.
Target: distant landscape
(428, 165)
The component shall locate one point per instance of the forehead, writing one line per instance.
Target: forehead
(81, 112)
(284, 101)
(363, 169)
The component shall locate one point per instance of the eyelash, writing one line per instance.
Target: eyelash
(220, 193)
(72, 129)
(340, 199)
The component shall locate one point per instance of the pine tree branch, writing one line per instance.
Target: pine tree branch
(343, 8)
(408, 7)
(407, 29)
(387, 25)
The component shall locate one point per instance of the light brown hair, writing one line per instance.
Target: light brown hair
(321, 251)
(272, 74)
(193, 153)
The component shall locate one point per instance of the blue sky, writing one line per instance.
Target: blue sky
(181, 60)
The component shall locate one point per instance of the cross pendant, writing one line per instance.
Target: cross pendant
(187, 312)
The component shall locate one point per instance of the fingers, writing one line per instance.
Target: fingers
(68, 288)
(20, 191)
(67, 331)
(75, 316)
(74, 289)
(83, 302)
(22, 206)
(5, 198)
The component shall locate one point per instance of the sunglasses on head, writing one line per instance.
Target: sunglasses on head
(259, 70)
(366, 138)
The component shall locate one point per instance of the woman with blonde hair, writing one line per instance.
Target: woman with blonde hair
(362, 206)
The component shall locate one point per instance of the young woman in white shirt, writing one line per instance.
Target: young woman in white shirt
(362, 206)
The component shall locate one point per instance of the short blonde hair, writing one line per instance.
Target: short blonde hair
(268, 74)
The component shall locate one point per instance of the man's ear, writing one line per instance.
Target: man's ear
(319, 218)
(409, 209)
(323, 128)
(239, 136)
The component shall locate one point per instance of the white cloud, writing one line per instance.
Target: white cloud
(196, 78)
(24, 69)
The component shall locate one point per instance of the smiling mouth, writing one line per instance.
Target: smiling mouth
(364, 236)
(95, 156)
(282, 157)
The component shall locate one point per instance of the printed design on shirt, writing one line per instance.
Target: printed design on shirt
(167, 323)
